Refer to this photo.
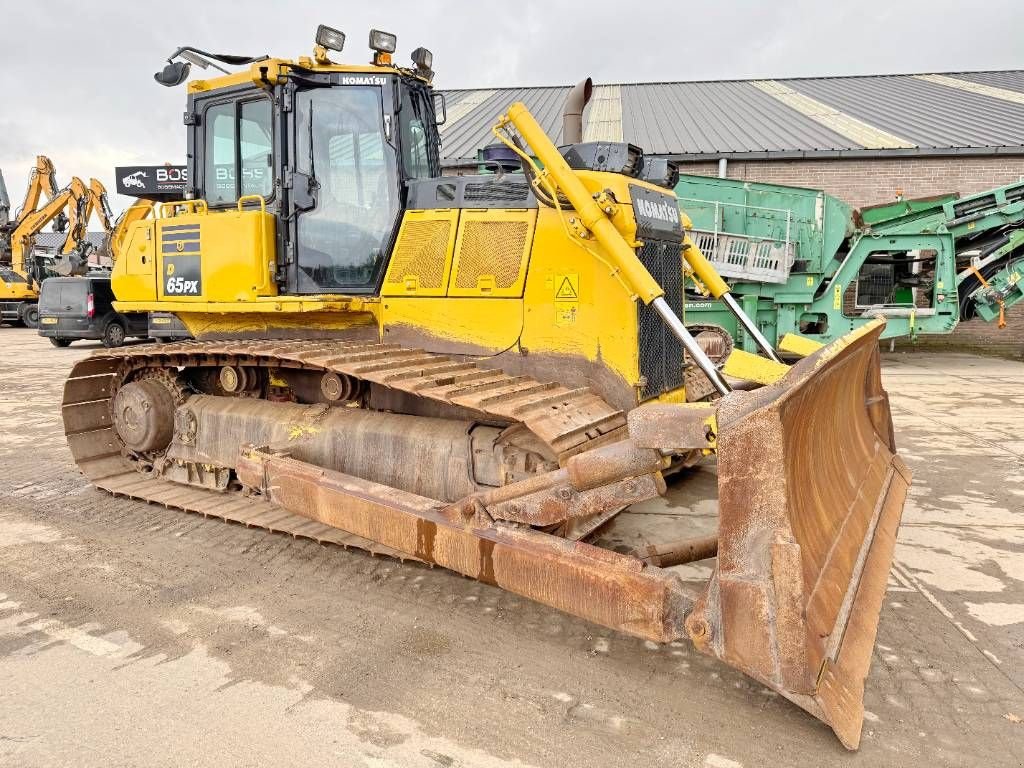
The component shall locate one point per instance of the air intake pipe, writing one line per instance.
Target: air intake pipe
(572, 112)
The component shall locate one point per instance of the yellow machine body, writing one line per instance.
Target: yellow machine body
(510, 377)
(464, 281)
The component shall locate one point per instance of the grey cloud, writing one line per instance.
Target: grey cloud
(79, 84)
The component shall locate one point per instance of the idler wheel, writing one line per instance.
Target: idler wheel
(232, 379)
(336, 387)
(143, 413)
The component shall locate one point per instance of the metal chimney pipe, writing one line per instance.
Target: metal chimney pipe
(572, 112)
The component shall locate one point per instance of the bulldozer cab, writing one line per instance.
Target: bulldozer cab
(331, 153)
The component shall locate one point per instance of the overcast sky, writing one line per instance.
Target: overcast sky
(78, 82)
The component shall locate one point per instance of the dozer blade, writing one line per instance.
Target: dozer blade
(810, 497)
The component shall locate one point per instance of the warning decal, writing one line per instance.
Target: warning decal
(568, 288)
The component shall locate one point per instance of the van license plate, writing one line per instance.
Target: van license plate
(49, 321)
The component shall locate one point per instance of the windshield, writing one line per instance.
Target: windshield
(341, 143)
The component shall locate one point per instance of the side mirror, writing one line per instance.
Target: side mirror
(440, 108)
(173, 74)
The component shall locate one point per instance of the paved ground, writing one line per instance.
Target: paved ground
(133, 635)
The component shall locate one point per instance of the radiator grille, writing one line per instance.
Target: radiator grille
(497, 192)
(492, 248)
(421, 253)
(660, 352)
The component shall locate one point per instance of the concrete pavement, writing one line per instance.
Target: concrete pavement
(135, 635)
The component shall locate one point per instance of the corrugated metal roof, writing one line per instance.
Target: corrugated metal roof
(736, 118)
(927, 114)
(717, 117)
(1011, 81)
(49, 241)
(460, 138)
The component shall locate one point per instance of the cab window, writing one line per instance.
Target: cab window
(238, 151)
(416, 145)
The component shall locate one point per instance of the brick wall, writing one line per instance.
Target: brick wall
(867, 182)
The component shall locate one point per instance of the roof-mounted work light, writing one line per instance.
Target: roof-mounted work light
(330, 38)
(423, 59)
(383, 44)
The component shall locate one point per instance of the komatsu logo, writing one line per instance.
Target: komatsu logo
(363, 80)
(666, 212)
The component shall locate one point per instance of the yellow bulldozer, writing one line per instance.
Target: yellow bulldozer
(483, 372)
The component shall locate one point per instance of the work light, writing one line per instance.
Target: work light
(423, 59)
(331, 39)
(382, 42)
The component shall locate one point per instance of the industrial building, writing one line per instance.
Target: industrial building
(864, 139)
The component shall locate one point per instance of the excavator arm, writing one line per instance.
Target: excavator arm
(32, 224)
(42, 182)
(99, 201)
(80, 206)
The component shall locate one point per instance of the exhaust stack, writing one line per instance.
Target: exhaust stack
(572, 112)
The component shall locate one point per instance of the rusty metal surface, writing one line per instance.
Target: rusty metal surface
(810, 495)
(143, 415)
(563, 418)
(97, 451)
(680, 552)
(675, 427)
(564, 503)
(607, 588)
(810, 498)
(431, 457)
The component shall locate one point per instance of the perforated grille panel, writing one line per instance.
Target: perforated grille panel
(491, 248)
(660, 352)
(421, 253)
(503, 192)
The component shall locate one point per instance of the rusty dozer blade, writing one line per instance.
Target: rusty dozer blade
(810, 497)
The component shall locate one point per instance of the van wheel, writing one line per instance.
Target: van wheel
(60, 342)
(30, 316)
(113, 335)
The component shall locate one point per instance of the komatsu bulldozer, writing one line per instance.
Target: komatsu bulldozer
(482, 372)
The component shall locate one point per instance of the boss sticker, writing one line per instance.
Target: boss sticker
(183, 276)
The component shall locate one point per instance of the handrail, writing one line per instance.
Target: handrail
(183, 207)
(252, 199)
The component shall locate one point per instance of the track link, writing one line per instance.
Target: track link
(566, 419)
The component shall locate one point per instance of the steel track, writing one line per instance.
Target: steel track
(565, 419)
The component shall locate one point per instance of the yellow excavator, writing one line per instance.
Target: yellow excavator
(21, 278)
(77, 248)
(485, 373)
(17, 294)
